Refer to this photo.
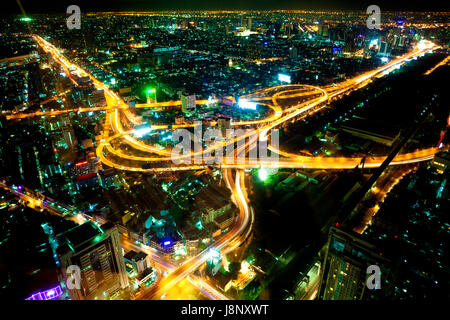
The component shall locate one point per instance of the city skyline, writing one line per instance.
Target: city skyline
(268, 5)
(224, 155)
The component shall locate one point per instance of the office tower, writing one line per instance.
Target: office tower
(385, 49)
(97, 252)
(345, 267)
(35, 87)
(62, 130)
(441, 162)
(187, 102)
(288, 27)
(293, 53)
(224, 123)
(136, 262)
(323, 30)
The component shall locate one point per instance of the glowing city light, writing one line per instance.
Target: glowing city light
(244, 104)
(234, 236)
(141, 132)
(213, 254)
(245, 267)
(49, 294)
(373, 43)
(262, 174)
(80, 163)
(284, 78)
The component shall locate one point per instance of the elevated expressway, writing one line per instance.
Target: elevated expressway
(287, 102)
(150, 158)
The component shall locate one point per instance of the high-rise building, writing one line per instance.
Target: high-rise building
(136, 261)
(63, 137)
(224, 123)
(345, 267)
(187, 102)
(97, 99)
(441, 161)
(293, 53)
(398, 40)
(323, 30)
(384, 49)
(288, 27)
(97, 252)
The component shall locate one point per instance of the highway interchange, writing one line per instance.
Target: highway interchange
(119, 127)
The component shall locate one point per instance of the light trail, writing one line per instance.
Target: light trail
(243, 224)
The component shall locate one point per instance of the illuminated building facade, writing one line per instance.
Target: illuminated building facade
(50, 294)
(96, 250)
(187, 102)
(441, 162)
(136, 261)
(345, 267)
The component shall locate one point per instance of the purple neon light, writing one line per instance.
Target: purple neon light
(49, 294)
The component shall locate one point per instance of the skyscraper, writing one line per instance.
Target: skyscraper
(224, 123)
(345, 267)
(384, 49)
(187, 102)
(293, 53)
(98, 254)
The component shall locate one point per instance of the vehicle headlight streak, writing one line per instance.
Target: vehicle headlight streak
(243, 227)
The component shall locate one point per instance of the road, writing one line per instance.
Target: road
(158, 259)
(226, 243)
(307, 100)
(162, 160)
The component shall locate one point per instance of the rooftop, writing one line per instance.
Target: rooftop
(79, 235)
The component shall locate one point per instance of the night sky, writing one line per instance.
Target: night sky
(51, 6)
